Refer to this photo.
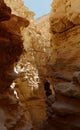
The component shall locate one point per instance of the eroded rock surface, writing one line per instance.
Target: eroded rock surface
(23, 91)
(11, 47)
(65, 28)
(48, 57)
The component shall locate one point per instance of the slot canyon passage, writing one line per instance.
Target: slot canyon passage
(40, 67)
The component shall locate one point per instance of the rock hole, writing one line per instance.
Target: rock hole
(47, 89)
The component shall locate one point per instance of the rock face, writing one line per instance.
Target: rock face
(18, 8)
(11, 47)
(50, 59)
(65, 30)
(24, 90)
(44, 47)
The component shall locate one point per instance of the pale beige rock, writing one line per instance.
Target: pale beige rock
(18, 8)
(64, 15)
(73, 11)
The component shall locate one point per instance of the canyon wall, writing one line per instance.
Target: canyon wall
(24, 89)
(64, 112)
(35, 54)
(11, 47)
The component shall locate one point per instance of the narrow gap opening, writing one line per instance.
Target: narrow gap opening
(39, 7)
(47, 88)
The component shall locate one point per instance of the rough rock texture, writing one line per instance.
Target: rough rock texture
(19, 9)
(11, 47)
(44, 46)
(65, 111)
(50, 58)
(11, 44)
(30, 68)
(38, 44)
(28, 86)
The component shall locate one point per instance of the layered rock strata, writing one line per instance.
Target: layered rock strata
(48, 58)
(65, 28)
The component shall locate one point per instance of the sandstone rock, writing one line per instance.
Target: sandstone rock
(76, 78)
(27, 86)
(45, 46)
(18, 8)
(10, 42)
(65, 14)
(65, 29)
(33, 69)
(68, 89)
(66, 106)
(11, 47)
(48, 57)
(4, 15)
